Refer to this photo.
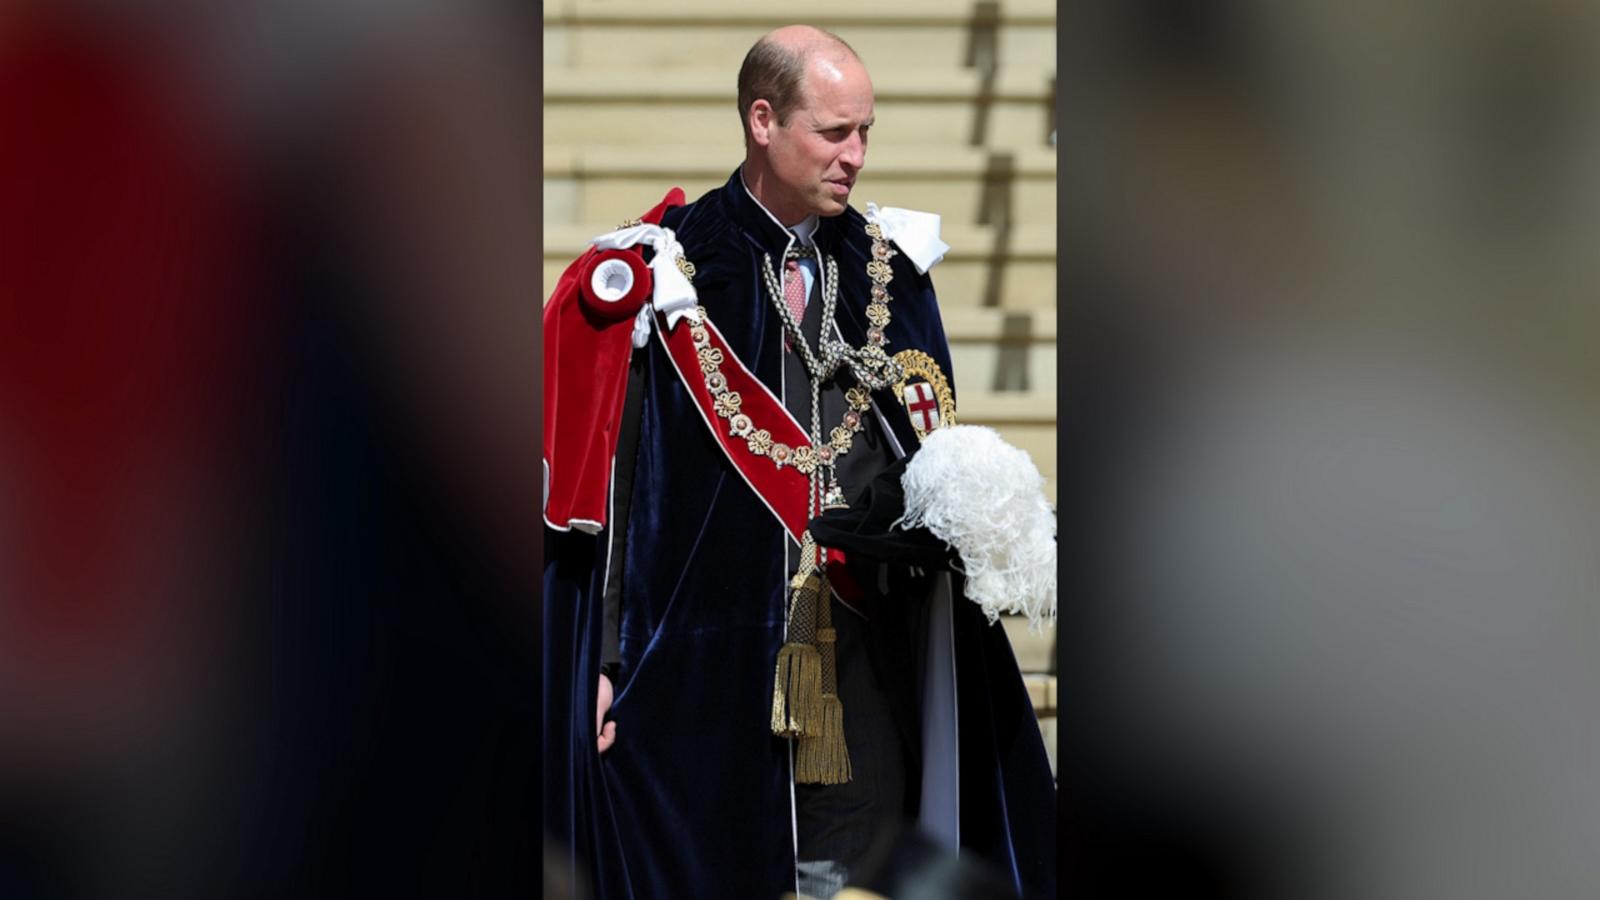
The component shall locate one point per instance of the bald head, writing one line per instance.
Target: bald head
(775, 68)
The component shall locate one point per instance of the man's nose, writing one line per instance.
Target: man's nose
(854, 155)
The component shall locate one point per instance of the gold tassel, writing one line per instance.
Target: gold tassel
(797, 682)
(797, 690)
(823, 758)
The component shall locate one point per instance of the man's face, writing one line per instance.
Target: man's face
(817, 152)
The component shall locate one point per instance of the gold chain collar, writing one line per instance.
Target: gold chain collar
(759, 441)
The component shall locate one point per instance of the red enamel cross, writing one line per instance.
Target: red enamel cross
(923, 408)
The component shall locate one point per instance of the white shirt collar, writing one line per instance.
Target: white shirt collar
(805, 229)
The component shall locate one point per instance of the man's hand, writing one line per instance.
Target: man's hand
(606, 730)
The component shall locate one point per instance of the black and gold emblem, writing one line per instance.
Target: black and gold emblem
(925, 391)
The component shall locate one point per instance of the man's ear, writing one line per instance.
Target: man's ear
(761, 122)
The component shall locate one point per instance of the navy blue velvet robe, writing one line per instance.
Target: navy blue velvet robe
(694, 798)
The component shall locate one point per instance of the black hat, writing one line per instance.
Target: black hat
(867, 529)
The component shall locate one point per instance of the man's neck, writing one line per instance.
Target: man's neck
(803, 227)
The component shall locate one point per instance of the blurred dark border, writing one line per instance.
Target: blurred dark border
(312, 667)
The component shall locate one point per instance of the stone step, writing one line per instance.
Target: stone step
(1035, 651)
(1047, 728)
(1042, 687)
(964, 185)
(999, 326)
(996, 351)
(913, 107)
(1042, 691)
(997, 408)
(712, 33)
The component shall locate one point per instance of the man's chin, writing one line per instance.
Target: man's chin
(833, 206)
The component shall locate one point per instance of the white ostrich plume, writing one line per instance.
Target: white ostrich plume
(985, 498)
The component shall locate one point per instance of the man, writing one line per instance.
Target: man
(693, 749)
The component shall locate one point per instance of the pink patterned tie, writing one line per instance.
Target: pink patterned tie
(794, 292)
